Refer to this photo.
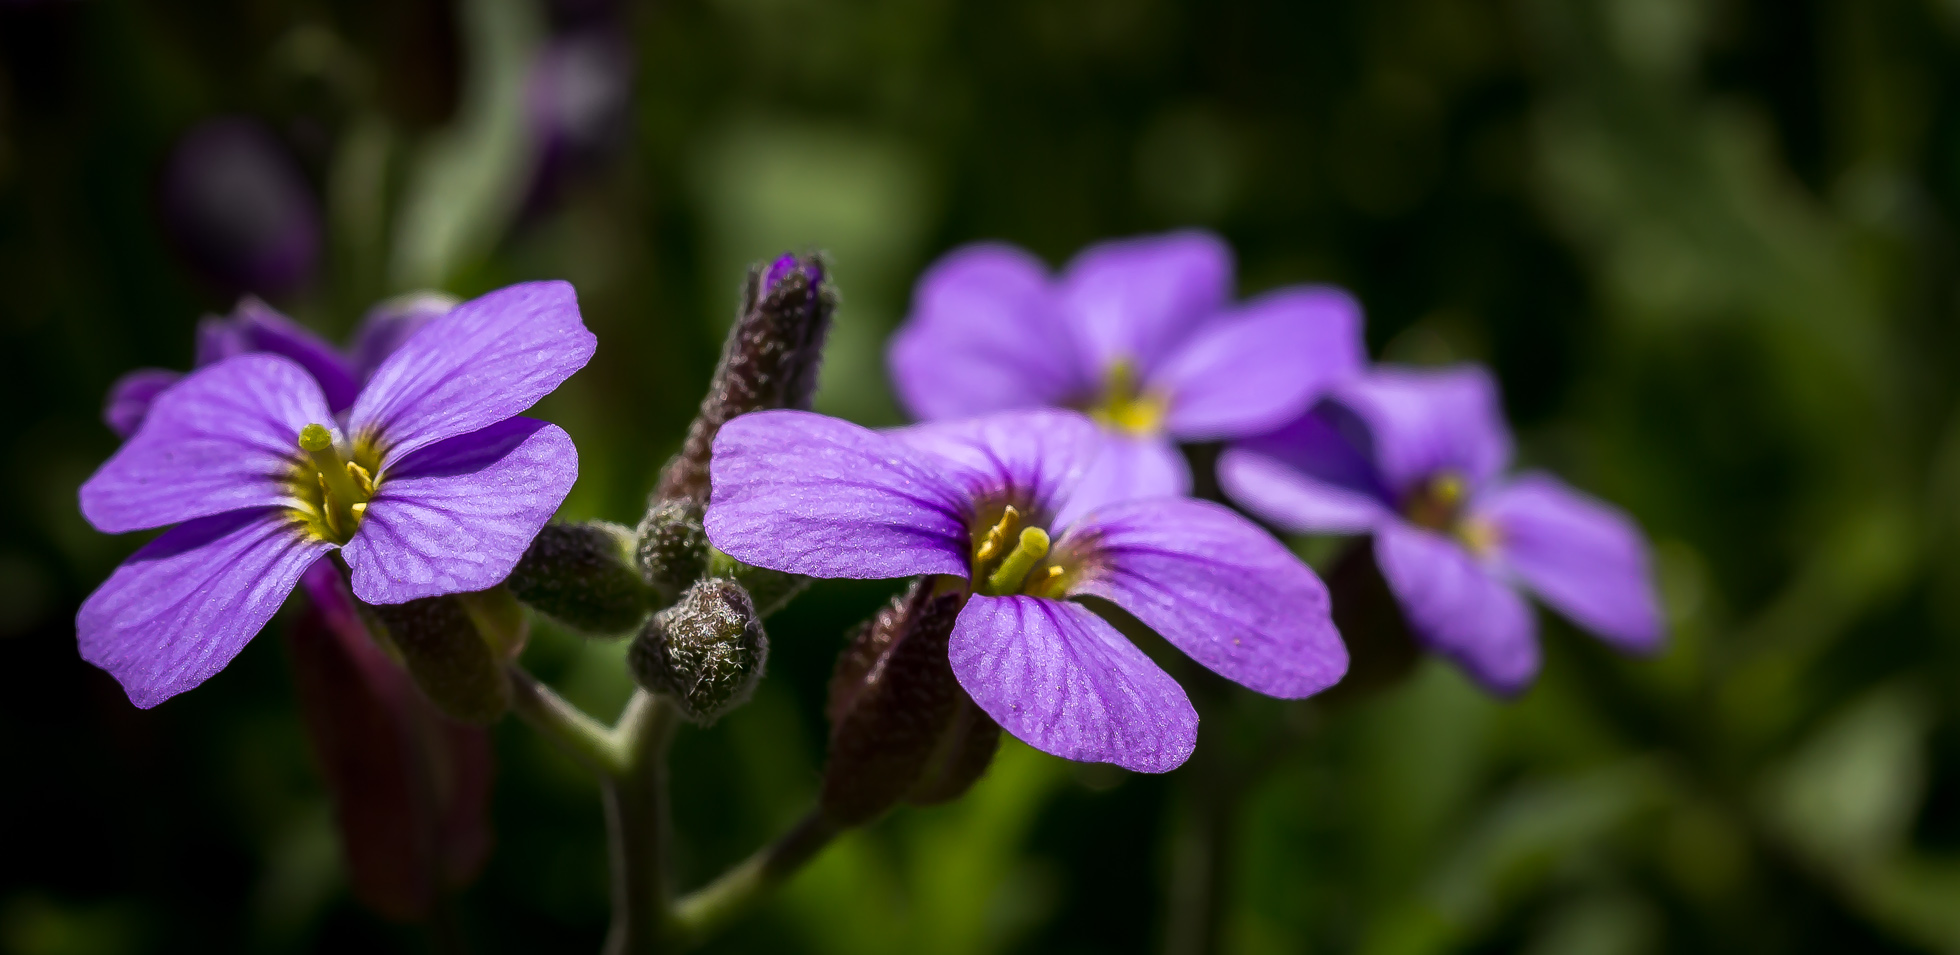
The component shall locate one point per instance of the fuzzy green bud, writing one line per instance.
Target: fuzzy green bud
(706, 653)
(673, 548)
(584, 576)
(771, 590)
(455, 647)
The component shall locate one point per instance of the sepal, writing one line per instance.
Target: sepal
(455, 647)
(583, 575)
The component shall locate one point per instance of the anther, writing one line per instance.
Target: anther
(1010, 521)
(340, 489)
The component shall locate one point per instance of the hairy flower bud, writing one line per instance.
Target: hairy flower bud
(770, 360)
(771, 590)
(456, 646)
(584, 576)
(706, 652)
(901, 728)
(673, 548)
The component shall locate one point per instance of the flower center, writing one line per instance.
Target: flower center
(1125, 406)
(335, 489)
(1010, 558)
(1437, 504)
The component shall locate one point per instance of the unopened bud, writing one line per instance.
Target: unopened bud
(673, 548)
(771, 590)
(455, 647)
(901, 727)
(706, 653)
(584, 576)
(770, 360)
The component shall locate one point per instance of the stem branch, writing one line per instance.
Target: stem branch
(705, 910)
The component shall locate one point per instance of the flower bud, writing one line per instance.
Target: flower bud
(584, 576)
(901, 727)
(770, 360)
(706, 653)
(455, 647)
(771, 590)
(673, 548)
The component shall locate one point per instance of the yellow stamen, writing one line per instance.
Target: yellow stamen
(339, 490)
(1010, 521)
(1030, 549)
(1124, 405)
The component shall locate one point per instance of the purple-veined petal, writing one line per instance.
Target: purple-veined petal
(454, 517)
(985, 334)
(1036, 457)
(1218, 588)
(1064, 681)
(486, 360)
(255, 326)
(182, 607)
(225, 437)
(131, 396)
(1135, 299)
(1262, 364)
(1305, 477)
(807, 494)
(1130, 467)
(1458, 607)
(1421, 422)
(1581, 555)
(391, 324)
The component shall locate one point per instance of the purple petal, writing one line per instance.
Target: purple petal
(1305, 477)
(488, 359)
(799, 492)
(1034, 456)
(182, 607)
(1130, 467)
(1136, 299)
(1459, 607)
(1217, 587)
(223, 438)
(1584, 557)
(1422, 421)
(985, 334)
(454, 517)
(131, 396)
(391, 324)
(255, 326)
(1263, 364)
(1065, 682)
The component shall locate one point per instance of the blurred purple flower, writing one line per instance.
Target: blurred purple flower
(578, 101)
(434, 485)
(976, 499)
(1417, 458)
(1139, 332)
(254, 326)
(240, 208)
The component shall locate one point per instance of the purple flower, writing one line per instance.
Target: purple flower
(429, 484)
(1417, 458)
(1140, 333)
(998, 504)
(254, 326)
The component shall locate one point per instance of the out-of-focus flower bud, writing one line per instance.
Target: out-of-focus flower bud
(770, 360)
(901, 728)
(456, 647)
(673, 548)
(410, 787)
(578, 97)
(706, 653)
(583, 575)
(238, 205)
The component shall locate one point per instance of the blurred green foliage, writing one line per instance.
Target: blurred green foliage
(1708, 245)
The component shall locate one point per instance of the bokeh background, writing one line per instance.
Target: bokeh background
(1709, 247)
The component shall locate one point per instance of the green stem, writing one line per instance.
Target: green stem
(705, 910)
(589, 741)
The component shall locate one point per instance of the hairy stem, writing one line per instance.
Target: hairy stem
(705, 910)
(638, 827)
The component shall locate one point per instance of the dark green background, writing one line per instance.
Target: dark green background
(1708, 247)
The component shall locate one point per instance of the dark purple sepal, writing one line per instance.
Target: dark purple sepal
(455, 648)
(901, 728)
(410, 787)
